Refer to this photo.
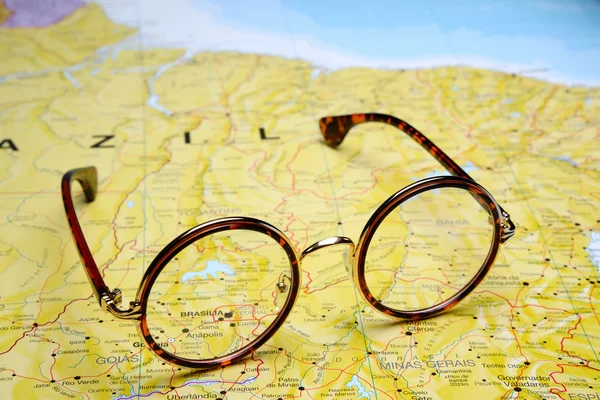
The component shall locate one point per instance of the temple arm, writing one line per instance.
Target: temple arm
(336, 128)
(88, 178)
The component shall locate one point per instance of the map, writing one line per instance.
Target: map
(193, 110)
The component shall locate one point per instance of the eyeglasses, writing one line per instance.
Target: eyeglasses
(219, 291)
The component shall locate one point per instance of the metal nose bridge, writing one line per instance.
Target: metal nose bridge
(328, 242)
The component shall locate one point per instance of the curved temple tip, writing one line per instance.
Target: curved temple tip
(89, 182)
(88, 178)
(334, 129)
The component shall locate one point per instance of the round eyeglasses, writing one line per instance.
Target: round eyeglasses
(219, 291)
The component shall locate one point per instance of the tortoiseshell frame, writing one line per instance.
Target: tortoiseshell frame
(334, 130)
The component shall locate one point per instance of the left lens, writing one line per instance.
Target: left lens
(428, 249)
(219, 294)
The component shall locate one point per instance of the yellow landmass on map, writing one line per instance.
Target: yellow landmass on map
(77, 36)
(181, 145)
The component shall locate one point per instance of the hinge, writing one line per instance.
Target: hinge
(115, 297)
(111, 301)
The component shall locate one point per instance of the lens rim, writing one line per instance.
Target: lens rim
(186, 239)
(480, 194)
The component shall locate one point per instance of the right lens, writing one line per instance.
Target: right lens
(428, 248)
(219, 294)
